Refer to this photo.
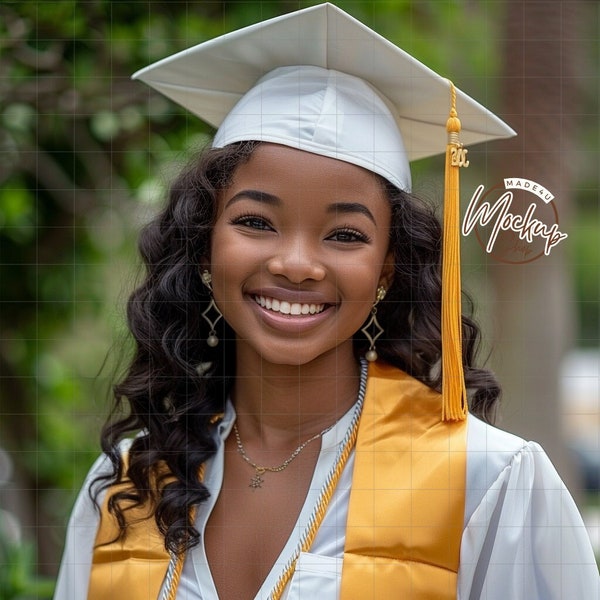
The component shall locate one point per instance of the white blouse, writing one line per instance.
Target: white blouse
(523, 537)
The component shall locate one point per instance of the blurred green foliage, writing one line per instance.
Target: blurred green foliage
(18, 577)
(86, 156)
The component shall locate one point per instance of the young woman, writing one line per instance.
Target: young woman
(294, 437)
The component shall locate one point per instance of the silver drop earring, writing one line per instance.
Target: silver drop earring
(212, 340)
(371, 354)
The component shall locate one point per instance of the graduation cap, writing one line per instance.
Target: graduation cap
(321, 81)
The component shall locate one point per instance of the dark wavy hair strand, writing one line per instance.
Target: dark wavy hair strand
(170, 403)
(167, 398)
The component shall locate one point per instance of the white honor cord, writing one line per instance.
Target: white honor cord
(317, 513)
(314, 517)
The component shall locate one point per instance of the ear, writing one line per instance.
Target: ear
(204, 264)
(387, 271)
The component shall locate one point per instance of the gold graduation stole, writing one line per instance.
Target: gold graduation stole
(407, 503)
(132, 568)
(405, 514)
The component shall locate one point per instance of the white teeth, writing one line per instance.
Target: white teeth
(287, 308)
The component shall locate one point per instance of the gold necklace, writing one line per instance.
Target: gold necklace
(176, 564)
(257, 479)
(331, 481)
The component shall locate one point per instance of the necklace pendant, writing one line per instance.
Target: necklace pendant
(256, 481)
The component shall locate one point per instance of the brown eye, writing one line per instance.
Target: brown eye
(348, 236)
(252, 222)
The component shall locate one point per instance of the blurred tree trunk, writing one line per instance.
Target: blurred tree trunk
(533, 308)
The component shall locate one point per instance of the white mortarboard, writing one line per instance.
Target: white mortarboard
(321, 81)
(342, 117)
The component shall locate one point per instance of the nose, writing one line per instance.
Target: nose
(296, 260)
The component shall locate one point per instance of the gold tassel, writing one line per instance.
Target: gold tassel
(454, 393)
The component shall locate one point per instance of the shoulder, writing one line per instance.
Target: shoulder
(484, 440)
(523, 536)
(495, 456)
(96, 478)
(85, 514)
(73, 577)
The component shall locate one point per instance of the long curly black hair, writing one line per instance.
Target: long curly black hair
(167, 396)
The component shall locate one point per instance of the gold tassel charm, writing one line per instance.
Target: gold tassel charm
(454, 393)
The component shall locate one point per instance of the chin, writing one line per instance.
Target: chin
(287, 360)
(298, 358)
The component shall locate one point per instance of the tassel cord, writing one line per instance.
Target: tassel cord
(454, 395)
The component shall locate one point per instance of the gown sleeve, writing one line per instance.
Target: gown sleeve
(74, 573)
(525, 539)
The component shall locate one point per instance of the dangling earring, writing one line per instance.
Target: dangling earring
(212, 340)
(371, 354)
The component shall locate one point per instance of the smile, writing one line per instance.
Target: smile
(288, 308)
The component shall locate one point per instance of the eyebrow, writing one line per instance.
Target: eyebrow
(335, 208)
(257, 195)
(351, 207)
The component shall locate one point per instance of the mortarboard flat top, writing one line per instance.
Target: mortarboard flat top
(210, 78)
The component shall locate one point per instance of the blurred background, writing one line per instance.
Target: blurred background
(86, 157)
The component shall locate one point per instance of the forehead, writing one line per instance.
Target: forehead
(285, 171)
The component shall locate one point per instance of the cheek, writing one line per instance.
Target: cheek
(224, 244)
(234, 260)
(363, 271)
(223, 263)
(358, 295)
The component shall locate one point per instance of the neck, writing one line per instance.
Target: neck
(286, 403)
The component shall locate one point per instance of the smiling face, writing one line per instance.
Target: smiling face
(298, 250)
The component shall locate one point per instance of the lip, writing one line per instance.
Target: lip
(289, 308)
(292, 296)
(306, 309)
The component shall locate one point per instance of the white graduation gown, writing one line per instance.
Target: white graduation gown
(523, 537)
